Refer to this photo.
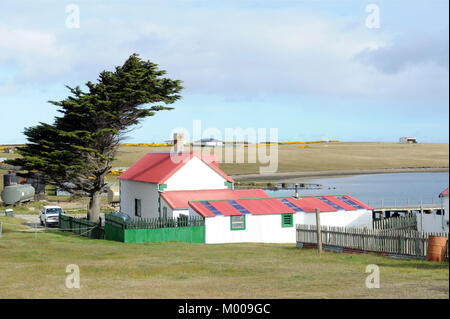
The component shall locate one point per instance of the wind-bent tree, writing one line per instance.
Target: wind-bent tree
(76, 151)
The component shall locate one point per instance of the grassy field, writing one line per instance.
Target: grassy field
(322, 157)
(35, 268)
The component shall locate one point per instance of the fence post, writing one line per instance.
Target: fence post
(421, 216)
(319, 231)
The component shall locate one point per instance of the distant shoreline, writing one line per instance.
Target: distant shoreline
(297, 176)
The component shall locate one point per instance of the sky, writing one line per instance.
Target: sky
(313, 69)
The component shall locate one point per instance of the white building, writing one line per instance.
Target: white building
(143, 183)
(407, 140)
(208, 142)
(444, 198)
(191, 184)
(273, 220)
(435, 223)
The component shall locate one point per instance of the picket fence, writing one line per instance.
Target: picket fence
(153, 223)
(408, 222)
(400, 242)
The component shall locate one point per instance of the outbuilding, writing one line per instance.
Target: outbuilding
(273, 220)
(408, 140)
(212, 142)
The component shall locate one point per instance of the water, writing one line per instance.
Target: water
(399, 188)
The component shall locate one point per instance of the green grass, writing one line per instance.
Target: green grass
(35, 268)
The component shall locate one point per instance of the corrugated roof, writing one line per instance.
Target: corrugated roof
(159, 167)
(268, 206)
(180, 199)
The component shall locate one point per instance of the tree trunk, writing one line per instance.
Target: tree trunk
(95, 203)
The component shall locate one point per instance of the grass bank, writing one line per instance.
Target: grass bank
(321, 157)
(35, 268)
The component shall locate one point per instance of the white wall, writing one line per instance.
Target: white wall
(446, 211)
(194, 175)
(258, 229)
(173, 212)
(146, 192)
(432, 223)
(268, 229)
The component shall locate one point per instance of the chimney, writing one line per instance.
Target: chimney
(178, 143)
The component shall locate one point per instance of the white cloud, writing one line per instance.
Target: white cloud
(232, 52)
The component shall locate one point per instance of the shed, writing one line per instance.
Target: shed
(273, 220)
(408, 140)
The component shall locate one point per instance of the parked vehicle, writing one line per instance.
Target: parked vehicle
(49, 215)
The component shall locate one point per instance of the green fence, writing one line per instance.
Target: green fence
(82, 227)
(143, 230)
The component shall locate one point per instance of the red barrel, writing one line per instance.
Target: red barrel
(436, 248)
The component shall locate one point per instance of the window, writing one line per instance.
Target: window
(137, 207)
(165, 212)
(237, 222)
(287, 220)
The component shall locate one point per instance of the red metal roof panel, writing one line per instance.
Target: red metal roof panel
(158, 167)
(309, 204)
(264, 206)
(358, 202)
(180, 199)
(340, 203)
(200, 209)
(225, 208)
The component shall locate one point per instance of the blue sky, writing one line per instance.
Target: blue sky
(312, 69)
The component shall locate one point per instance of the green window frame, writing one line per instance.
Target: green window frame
(287, 220)
(237, 222)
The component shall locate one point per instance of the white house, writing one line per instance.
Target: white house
(436, 222)
(143, 183)
(208, 142)
(273, 220)
(407, 139)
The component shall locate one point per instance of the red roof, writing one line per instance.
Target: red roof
(159, 167)
(444, 193)
(268, 206)
(180, 199)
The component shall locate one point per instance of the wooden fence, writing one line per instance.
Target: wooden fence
(397, 242)
(405, 223)
(82, 227)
